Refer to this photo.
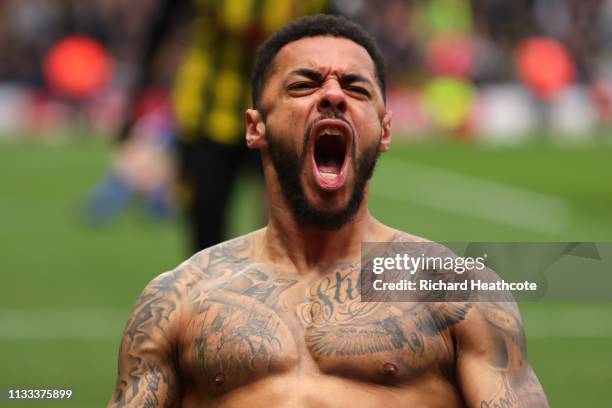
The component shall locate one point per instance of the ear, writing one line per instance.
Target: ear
(385, 137)
(255, 129)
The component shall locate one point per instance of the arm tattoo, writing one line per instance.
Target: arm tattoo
(146, 376)
(153, 377)
(518, 387)
(527, 393)
(504, 397)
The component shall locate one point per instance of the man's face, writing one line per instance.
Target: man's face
(325, 126)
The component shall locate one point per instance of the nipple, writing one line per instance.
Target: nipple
(389, 369)
(219, 379)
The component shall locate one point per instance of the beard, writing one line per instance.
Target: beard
(289, 166)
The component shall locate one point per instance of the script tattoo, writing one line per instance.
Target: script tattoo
(339, 324)
(336, 297)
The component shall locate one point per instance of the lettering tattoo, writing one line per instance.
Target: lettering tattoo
(339, 324)
(336, 298)
(242, 320)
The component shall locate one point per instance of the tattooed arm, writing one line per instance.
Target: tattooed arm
(492, 363)
(147, 376)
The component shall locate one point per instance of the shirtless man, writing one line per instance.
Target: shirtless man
(274, 318)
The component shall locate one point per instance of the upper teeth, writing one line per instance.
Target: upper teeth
(330, 132)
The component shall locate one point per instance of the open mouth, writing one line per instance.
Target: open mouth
(330, 153)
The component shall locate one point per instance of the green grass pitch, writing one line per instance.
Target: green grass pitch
(67, 289)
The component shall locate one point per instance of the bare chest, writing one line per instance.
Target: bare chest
(258, 325)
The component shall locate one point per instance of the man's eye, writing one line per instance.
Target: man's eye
(301, 86)
(358, 89)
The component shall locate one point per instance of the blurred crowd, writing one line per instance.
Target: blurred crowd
(167, 81)
(497, 70)
(45, 88)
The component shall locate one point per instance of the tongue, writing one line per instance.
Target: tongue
(329, 168)
(329, 155)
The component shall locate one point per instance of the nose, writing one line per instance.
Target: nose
(332, 98)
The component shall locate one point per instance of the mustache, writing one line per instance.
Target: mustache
(333, 115)
(330, 115)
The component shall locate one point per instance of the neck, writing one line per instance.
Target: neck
(308, 249)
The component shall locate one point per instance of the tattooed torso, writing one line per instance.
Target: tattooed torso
(242, 333)
(249, 323)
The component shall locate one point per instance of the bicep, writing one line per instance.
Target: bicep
(146, 375)
(145, 383)
(492, 365)
(484, 386)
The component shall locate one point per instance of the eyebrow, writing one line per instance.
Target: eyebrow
(308, 73)
(316, 76)
(352, 78)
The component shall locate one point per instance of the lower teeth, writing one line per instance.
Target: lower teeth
(329, 176)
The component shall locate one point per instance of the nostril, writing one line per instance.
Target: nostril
(329, 104)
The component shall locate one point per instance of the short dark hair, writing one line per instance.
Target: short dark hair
(313, 26)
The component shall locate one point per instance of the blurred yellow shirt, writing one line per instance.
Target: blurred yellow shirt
(213, 85)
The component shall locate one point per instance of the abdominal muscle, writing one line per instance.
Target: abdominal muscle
(299, 390)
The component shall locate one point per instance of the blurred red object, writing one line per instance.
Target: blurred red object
(545, 66)
(77, 67)
(152, 100)
(451, 56)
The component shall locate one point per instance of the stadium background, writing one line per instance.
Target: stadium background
(489, 146)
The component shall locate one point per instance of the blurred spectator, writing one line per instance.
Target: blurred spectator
(142, 168)
(211, 94)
